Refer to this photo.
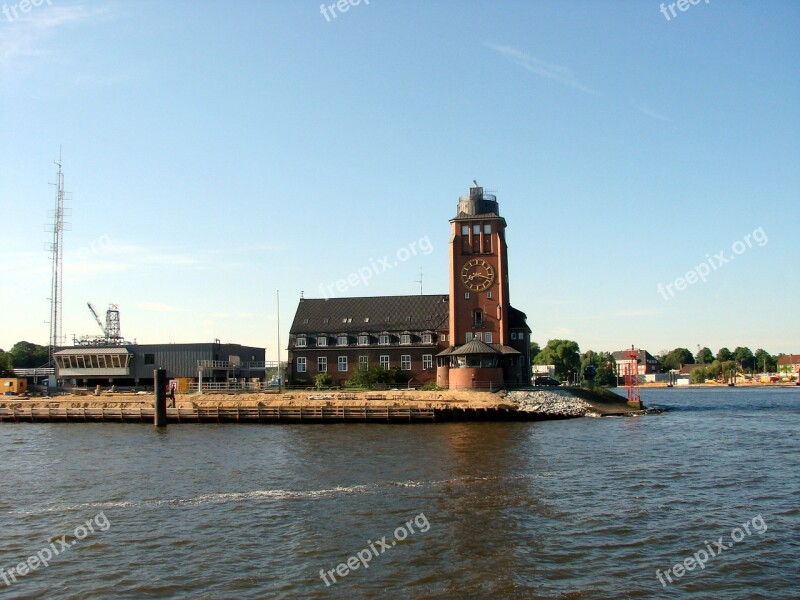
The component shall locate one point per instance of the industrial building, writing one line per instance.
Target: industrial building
(133, 364)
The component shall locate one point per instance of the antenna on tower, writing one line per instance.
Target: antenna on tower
(56, 255)
(419, 281)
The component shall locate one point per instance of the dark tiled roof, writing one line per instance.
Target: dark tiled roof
(507, 349)
(371, 314)
(789, 359)
(518, 319)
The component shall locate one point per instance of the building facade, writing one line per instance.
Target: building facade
(646, 363)
(133, 364)
(469, 338)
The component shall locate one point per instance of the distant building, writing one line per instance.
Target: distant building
(789, 363)
(469, 338)
(646, 363)
(133, 364)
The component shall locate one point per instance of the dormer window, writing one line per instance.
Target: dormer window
(383, 339)
(427, 338)
(341, 340)
(322, 340)
(405, 338)
(363, 339)
(301, 341)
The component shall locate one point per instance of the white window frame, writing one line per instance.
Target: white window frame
(322, 341)
(479, 336)
(363, 340)
(405, 339)
(322, 364)
(301, 364)
(301, 341)
(385, 362)
(339, 340)
(384, 339)
(469, 336)
(427, 338)
(466, 295)
(488, 337)
(405, 362)
(489, 295)
(427, 361)
(342, 362)
(363, 363)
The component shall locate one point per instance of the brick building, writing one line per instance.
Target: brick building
(471, 337)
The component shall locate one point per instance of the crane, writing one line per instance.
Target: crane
(97, 318)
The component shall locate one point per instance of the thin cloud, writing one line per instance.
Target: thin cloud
(557, 73)
(645, 110)
(26, 35)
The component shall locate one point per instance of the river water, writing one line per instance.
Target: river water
(583, 508)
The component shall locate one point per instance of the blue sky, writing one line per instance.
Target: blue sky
(218, 152)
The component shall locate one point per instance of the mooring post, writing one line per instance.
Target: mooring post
(160, 385)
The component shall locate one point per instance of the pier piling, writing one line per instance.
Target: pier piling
(160, 388)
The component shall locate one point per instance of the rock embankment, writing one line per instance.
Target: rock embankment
(555, 403)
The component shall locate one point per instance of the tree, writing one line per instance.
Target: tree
(25, 355)
(724, 354)
(535, 349)
(704, 355)
(744, 356)
(5, 364)
(765, 361)
(676, 358)
(698, 375)
(563, 354)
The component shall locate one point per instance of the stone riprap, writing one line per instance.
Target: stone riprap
(553, 402)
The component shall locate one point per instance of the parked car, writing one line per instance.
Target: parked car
(546, 381)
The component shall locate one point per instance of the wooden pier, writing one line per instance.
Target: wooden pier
(268, 414)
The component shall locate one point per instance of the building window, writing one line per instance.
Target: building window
(476, 229)
(326, 320)
(405, 338)
(469, 336)
(405, 362)
(322, 340)
(466, 295)
(322, 364)
(363, 340)
(301, 341)
(341, 340)
(427, 361)
(427, 338)
(477, 318)
(363, 362)
(479, 336)
(385, 362)
(301, 364)
(342, 363)
(465, 230)
(513, 335)
(383, 340)
(443, 337)
(149, 359)
(489, 295)
(487, 228)
(488, 337)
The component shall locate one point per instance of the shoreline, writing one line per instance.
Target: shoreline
(322, 406)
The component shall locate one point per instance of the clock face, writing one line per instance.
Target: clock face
(477, 275)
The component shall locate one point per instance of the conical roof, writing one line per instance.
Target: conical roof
(475, 346)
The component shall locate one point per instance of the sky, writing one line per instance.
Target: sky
(221, 158)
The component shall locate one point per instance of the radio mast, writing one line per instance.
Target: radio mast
(56, 249)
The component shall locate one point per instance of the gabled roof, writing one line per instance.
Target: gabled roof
(518, 319)
(643, 356)
(371, 314)
(80, 351)
(789, 359)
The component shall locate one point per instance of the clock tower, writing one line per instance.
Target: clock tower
(480, 354)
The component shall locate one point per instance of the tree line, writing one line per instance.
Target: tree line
(566, 356)
(23, 355)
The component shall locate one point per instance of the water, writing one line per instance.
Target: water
(586, 508)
